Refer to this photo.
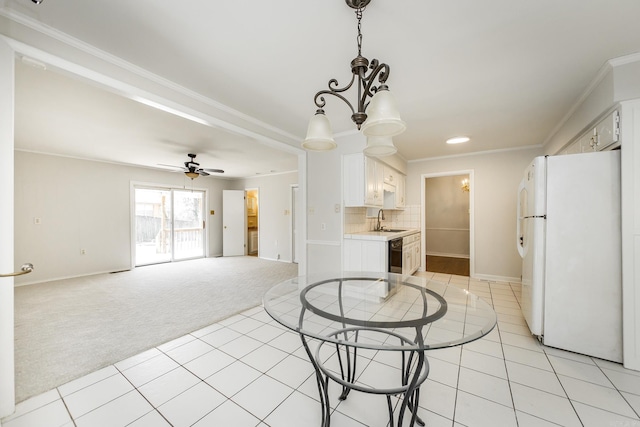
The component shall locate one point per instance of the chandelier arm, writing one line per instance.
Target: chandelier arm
(379, 70)
(335, 91)
(322, 102)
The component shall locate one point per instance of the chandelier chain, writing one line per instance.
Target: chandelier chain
(359, 38)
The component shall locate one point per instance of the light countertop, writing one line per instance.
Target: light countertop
(380, 235)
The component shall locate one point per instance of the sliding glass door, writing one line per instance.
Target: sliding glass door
(188, 224)
(169, 225)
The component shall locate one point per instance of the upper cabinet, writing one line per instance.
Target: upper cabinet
(370, 183)
(400, 191)
(363, 178)
(602, 136)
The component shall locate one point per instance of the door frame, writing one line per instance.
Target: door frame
(7, 188)
(155, 186)
(423, 231)
(293, 220)
(246, 198)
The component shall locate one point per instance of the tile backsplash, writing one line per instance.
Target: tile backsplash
(356, 220)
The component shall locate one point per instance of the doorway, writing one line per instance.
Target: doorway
(447, 223)
(252, 222)
(169, 225)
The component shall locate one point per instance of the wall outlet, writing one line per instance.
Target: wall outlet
(212, 212)
(323, 226)
(37, 221)
(83, 251)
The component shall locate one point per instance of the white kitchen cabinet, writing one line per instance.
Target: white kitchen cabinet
(389, 175)
(605, 134)
(370, 183)
(400, 191)
(374, 176)
(411, 254)
(365, 255)
(363, 181)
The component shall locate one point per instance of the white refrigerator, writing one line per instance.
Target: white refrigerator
(568, 235)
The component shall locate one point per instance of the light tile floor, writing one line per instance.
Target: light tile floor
(249, 371)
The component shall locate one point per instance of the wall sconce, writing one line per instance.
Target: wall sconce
(465, 184)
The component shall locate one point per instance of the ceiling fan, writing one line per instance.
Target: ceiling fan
(193, 169)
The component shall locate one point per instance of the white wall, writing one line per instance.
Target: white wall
(274, 214)
(496, 179)
(86, 205)
(324, 192)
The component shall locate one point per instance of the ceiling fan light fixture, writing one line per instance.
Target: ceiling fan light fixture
(192, 175)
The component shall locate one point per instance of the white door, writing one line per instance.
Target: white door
(233, 223)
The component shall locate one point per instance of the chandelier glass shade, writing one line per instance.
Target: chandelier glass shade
(319, 134)
(383, 118)
(375, 112)
(378, 146)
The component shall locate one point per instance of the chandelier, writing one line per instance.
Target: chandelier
(375, 112)
(465, 185)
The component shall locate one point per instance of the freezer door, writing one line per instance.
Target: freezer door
(531, 242)
(583, 290)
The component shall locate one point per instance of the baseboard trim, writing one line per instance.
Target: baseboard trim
(53, 279)
(447, 255)
(492, 278)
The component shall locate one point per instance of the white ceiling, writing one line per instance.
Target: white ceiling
(504, 73)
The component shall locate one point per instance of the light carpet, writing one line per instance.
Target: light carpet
(68, 328)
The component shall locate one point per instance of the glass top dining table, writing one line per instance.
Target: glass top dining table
(426, 313)
(378, 311)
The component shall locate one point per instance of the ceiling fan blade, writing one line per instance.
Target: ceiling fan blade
(177, 168)
(203, 173)
(213, 170)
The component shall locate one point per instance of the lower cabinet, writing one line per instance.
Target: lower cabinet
(373, 255)
(411, 258)
(365, 255)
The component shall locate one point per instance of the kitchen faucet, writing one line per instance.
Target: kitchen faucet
(378, 227)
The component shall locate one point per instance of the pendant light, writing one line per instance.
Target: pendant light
(376, 115)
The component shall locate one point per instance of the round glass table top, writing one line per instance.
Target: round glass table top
(384, 311)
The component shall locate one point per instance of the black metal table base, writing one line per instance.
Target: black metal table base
(410, 380)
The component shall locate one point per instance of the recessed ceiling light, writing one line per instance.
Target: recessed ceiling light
(458, 140)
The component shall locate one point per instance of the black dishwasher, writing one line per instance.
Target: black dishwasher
(395, 255)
